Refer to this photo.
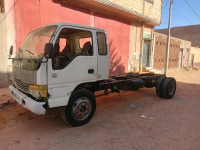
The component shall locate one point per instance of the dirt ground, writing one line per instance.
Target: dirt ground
(167, 125)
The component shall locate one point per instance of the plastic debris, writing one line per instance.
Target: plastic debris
(132, 106)
(143, 116)
(151, 118)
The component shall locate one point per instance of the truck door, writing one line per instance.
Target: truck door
(75, 60)
(103, 56)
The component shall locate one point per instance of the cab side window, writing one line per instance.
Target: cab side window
(70, 44)
(102, 46)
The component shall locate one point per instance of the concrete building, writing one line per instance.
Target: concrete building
(128, 23)
(196, 52)
(189, 33)
(179, 53)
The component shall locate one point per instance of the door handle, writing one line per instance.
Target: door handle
(90, 71)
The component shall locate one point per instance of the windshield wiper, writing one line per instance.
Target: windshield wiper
(33, 58)
(30, 52)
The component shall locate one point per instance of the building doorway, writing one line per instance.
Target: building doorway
(187, 57)
(146, 53)
(181, 58)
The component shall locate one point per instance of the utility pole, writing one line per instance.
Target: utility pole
(168, 40)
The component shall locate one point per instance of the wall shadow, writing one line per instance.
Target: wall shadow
(117, 67)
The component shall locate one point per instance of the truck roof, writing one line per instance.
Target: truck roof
(59, 24)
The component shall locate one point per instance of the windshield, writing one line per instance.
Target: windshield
(31, 52)
(33, 46)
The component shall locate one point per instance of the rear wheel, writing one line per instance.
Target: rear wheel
(169, 88)
(159, 85)
(80, 108)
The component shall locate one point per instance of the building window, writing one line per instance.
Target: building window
(150, 1)
(2, 9)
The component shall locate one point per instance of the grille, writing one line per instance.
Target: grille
(21, 86)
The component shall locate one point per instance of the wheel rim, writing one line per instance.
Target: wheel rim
(81, 108)
(172, 88)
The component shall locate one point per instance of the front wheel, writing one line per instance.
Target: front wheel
(80, 109)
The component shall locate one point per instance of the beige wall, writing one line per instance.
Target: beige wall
(7, 38)
(186, 47)
(144, 10)
(3, 50)
(196, 52)
(135, 45)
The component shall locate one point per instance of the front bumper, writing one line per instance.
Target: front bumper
(27, 102)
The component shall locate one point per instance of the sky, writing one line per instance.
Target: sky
(182, 15)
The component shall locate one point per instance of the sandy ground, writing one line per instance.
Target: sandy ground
(168, 124)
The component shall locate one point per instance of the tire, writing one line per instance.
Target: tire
(159, 85)
(80, 109)
(169, 88)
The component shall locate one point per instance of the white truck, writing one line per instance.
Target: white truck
(64, 65)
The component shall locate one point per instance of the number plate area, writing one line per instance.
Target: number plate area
(16, 96)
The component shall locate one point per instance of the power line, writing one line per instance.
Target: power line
(192, 9)
(164, 23)
(165, 5)
(182, 16)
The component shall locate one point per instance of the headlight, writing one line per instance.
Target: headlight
(38, 90)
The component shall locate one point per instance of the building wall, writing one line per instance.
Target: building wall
(186, 47)
(146, 9)
(176, 45)
(3, 68)
(196, 52)
(7, 39)
(189, 33)
(135, 45)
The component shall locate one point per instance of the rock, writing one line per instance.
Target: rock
(132, 106)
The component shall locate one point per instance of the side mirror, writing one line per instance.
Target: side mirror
(11, 50)
(48, 50)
